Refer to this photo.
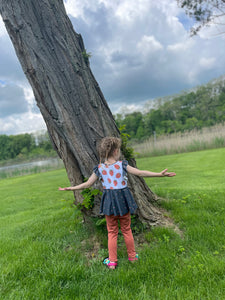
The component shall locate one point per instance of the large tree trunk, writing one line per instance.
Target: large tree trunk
(77, 116)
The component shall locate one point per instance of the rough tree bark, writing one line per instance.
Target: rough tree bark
(76, 114)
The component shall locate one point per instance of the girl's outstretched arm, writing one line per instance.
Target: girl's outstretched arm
(143, 173)
(87, 184)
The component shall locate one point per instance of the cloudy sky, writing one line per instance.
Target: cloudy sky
(140, 49)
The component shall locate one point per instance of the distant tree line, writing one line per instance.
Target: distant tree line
(201, 108)
(25, 146)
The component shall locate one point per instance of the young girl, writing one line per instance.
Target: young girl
(117, 202)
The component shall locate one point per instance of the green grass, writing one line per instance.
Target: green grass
(42, 248)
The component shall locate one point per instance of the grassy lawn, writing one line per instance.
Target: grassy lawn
(44, 244)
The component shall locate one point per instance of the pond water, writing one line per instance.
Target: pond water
(30, 167)
(40, 163)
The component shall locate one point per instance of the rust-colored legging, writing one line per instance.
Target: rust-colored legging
(112, 227)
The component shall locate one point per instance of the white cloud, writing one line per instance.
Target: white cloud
(130, 11)
(127, 109)
(22, 123)
(19, 113)
(140, 50)
(74, 8)
(29, 97)
(207, 63)
(181, 46)
(2, 27)
(215, 30)
(149, 44)
(77, 8)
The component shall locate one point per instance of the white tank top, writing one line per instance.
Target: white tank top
(112, 176)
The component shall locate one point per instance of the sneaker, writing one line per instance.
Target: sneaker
(134, 259)
(110, 264)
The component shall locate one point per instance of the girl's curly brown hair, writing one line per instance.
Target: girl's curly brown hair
(107, 146)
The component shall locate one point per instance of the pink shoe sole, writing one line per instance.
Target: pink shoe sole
(109, 264)
(134, 259)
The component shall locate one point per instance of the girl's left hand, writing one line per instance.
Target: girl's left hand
(168, 174)
(64, 189)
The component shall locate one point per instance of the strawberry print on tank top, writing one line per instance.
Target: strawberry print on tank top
(112, 176)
